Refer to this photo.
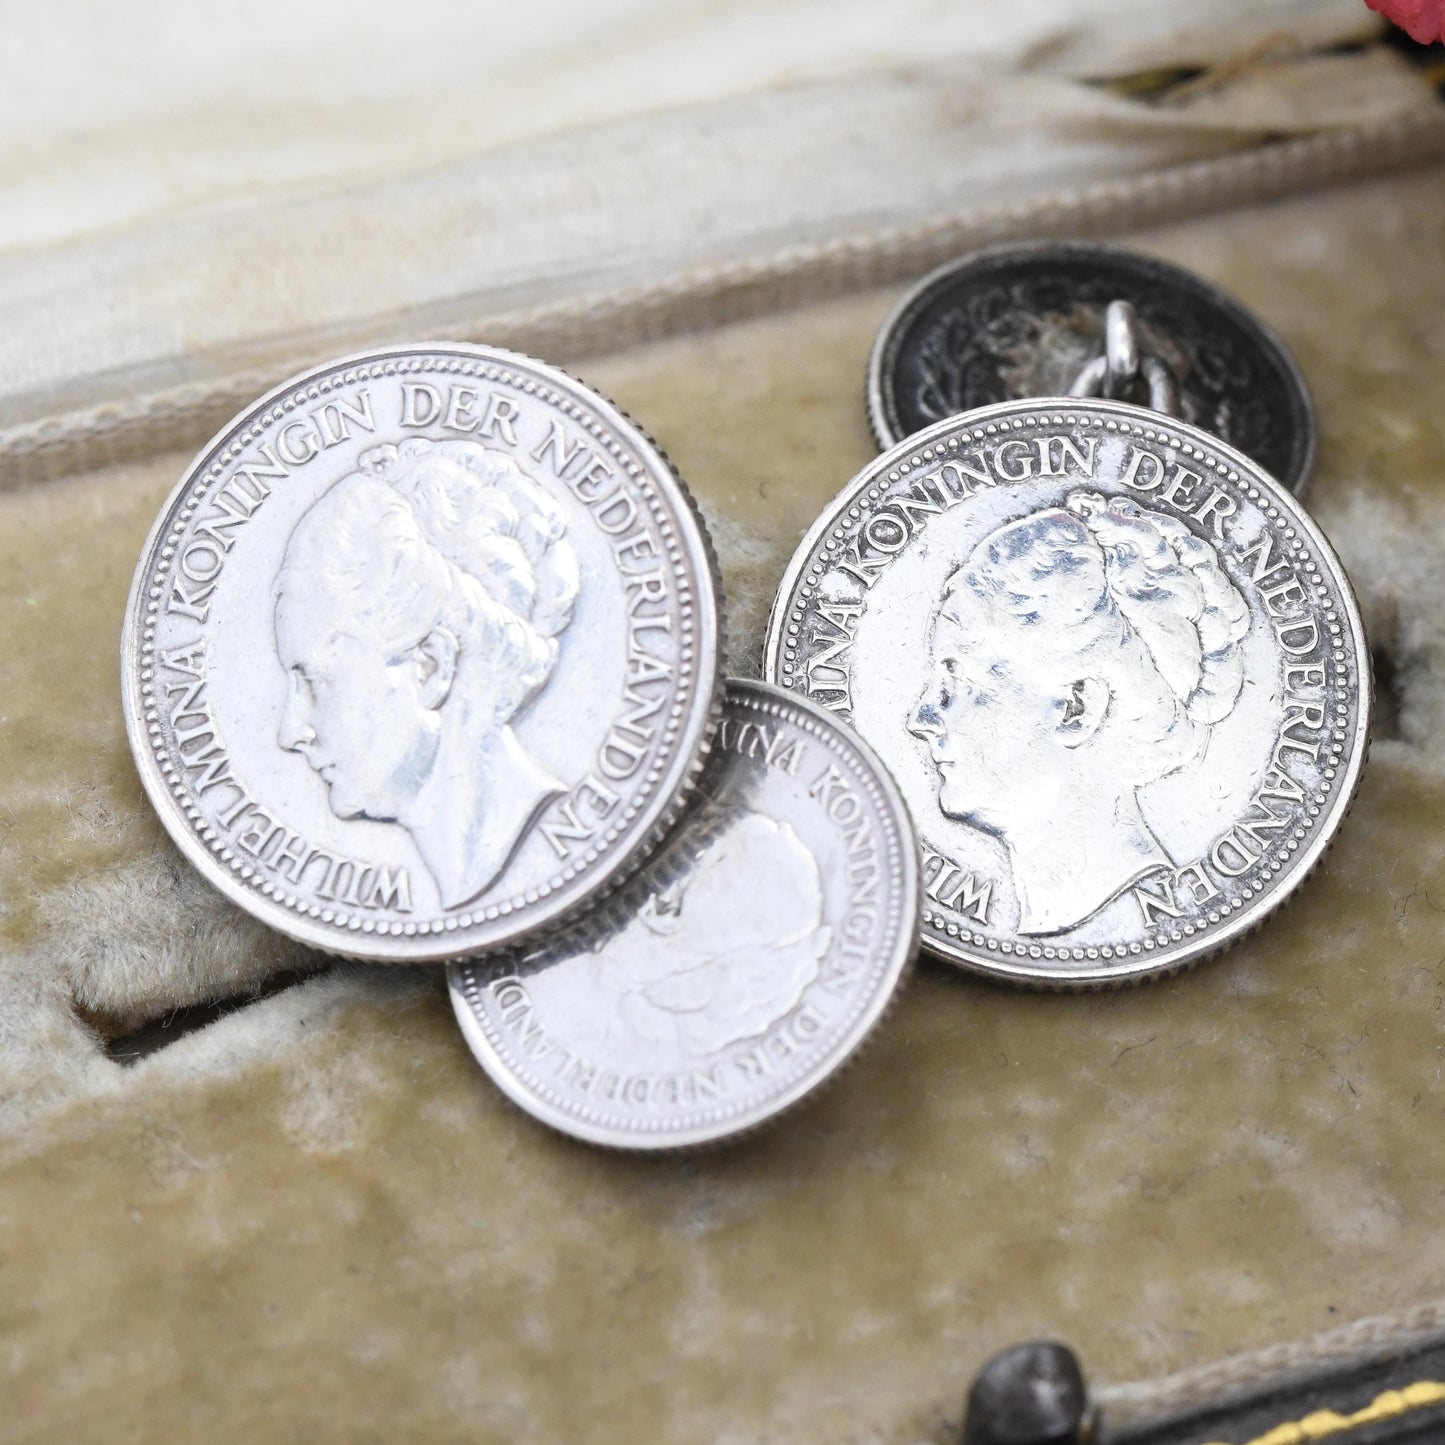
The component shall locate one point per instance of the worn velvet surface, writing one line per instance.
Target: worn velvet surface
(316, 1220)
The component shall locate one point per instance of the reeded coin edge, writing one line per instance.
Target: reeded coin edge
(670, 793)
(465, 979)
(914, 451)
(886, 425)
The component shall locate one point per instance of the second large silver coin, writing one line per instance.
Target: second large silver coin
(1117, 671)
(740, 970)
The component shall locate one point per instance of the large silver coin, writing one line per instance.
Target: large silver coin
(1025, 320)
(740, 970)
(1117, 671)
(422, 652)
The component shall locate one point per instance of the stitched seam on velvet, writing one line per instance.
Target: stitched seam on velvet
(128, 430)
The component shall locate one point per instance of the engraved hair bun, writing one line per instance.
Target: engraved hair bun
(1110, 589)
(1170, 587)
(490, 520)
(785, 887)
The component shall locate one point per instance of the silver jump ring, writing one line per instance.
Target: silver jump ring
(1121, 346)
(1160, 379)
(1163, 384)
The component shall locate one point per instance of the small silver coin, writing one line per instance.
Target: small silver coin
(1117, 671)
(739, 971)
(1024, 321)
(423, 652)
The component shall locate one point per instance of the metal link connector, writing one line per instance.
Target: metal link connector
(1124, 364)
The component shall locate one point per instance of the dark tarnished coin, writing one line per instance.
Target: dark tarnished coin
(1117, 671)
(740, 970)
(1017, 322)
(422, 653)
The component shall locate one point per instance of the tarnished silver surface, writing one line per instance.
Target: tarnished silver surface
(1023, 321)
(740, 970)
(1116, 670)
(422, 652)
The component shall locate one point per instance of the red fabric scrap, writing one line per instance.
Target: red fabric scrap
(1421, 20)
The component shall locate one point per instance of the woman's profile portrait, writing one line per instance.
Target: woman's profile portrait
(1078, 654)
(694, 969)
(417, 612)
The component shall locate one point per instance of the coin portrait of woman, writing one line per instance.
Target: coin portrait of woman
(691, 968)
(1079, 654)
(744, 968)
(418, 609)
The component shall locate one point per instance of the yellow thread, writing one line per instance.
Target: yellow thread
(1320, 1423)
